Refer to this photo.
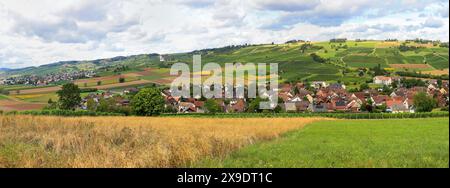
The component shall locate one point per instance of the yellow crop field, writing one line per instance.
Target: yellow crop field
(44, 141)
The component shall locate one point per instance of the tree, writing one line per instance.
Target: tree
(424, 103)
(254, 105)
(51, 104)
(317, 58)
(212, 106)
(106, 105)
(148, 102)
(387, 90)
(364, 86)
(69, 96)
(4, 91)
(439, 83)
(91, 105)
(121, 80)
(361, 73)
(296, 90)
(99, 82)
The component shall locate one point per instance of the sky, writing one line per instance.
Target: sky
(37, 32)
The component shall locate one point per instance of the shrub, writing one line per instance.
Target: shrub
(67, 113)
(86, 90)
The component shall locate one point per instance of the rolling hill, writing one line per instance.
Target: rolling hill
(296, 60)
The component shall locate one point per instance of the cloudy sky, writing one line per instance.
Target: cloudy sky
(36, 32)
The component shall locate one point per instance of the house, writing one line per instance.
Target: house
(396, 105)
(302, 105)
(322, 107)
(336, 86)
(340, 105)
(186, 107)
(199, 105)
(409, 103)
(237, 106)
(379, 100)
(285, 88)
(359, 95)
(319, 84)
(290, 107)
(400, 92)
(354, 105)
(285, 96)
(382, 80)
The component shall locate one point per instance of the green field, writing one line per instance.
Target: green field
(364, 61)
(437, 61)
(2, 97)
(37, 98)
(351, 143)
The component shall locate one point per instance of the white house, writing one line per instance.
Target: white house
(382, 80)
(319, 84)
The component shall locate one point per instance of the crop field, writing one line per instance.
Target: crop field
(17, 105)
(411, 66)
(37, 98)
(437, 72)
(92, 82)
(364, 61)
(37, 90)
(414, 59)
(53, 89)
(42, 141)
(391, 143)
(438, 61)
(159, 76)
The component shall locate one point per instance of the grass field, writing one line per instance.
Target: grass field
(39, 141)
(351, 143)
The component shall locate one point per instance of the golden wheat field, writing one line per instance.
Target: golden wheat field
(41, 141)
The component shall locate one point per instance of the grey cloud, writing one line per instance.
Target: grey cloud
(91, 11)
(197, 3)
(386, 27)
(433, 23)
(360, 29)
(287, 5)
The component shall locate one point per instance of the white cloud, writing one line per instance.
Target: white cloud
(47, 31)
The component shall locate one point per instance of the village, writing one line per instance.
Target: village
(317, 96)
(47, 79)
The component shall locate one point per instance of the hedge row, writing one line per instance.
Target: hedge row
(63, 113)
(245, 115)
(330, 115)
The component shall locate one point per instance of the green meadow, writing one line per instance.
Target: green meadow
(397, 143)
